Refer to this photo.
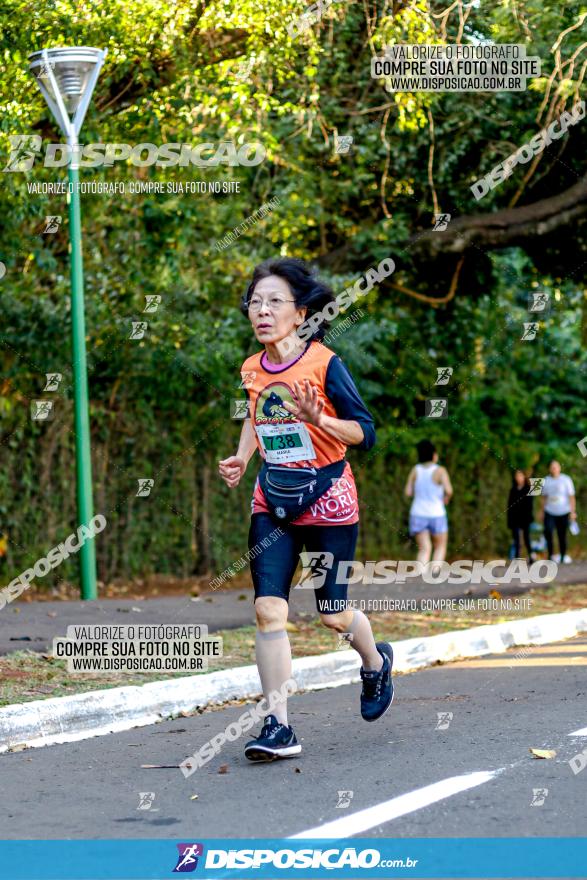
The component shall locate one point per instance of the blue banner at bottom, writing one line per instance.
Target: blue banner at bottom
(270, 859)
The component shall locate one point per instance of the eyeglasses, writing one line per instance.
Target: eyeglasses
(275, 303)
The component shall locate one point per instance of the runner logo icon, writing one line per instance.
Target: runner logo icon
(187, 860)
(316, 565)
(538, 797)
(24, 149)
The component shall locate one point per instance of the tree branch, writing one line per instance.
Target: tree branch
(508, 226)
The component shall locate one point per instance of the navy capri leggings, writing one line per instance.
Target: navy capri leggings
(274, 566)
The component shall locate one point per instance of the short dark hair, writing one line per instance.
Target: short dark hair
(426, 450)
(307, 289)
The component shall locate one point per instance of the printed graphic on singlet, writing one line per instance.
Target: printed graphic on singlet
(339, 504)
(282, 438)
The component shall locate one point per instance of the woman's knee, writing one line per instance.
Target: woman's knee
(339, 622)
(271, 613)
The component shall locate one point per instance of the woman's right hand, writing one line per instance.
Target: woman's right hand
(231, 470)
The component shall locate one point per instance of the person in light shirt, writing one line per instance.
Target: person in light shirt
(558, 506)
(430, 488)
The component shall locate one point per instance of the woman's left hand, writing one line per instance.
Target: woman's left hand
(309, 406)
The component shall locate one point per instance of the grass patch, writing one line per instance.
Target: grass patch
(27, 676)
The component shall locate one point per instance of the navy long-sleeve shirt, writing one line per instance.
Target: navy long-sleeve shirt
(348, 403)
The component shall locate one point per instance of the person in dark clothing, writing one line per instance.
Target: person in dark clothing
(520, 513)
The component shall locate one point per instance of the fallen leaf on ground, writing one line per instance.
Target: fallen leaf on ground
(543, 753)
(291, 627)
(223, 768)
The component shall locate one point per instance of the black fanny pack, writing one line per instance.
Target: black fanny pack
(289, 491)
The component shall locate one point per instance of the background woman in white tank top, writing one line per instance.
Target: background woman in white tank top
(430, 487)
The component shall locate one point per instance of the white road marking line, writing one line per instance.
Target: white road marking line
(349, 825)
(582, 732)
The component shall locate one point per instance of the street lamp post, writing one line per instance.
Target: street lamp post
(67, 77)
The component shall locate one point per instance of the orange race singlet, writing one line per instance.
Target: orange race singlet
(282, 439)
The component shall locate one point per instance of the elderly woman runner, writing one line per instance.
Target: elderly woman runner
(304, 410)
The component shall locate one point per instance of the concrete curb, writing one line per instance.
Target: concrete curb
(96, 713)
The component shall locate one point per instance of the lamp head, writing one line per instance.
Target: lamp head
(66, 77)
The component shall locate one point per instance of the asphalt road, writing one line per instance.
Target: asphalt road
(501, 707)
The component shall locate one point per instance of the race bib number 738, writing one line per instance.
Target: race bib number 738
(286, 442)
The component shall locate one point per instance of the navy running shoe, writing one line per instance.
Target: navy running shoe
(275, 741)
(377, 693)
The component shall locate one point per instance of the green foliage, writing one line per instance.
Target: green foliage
(160, 407)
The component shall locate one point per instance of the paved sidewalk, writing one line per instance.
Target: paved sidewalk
(33, 625)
